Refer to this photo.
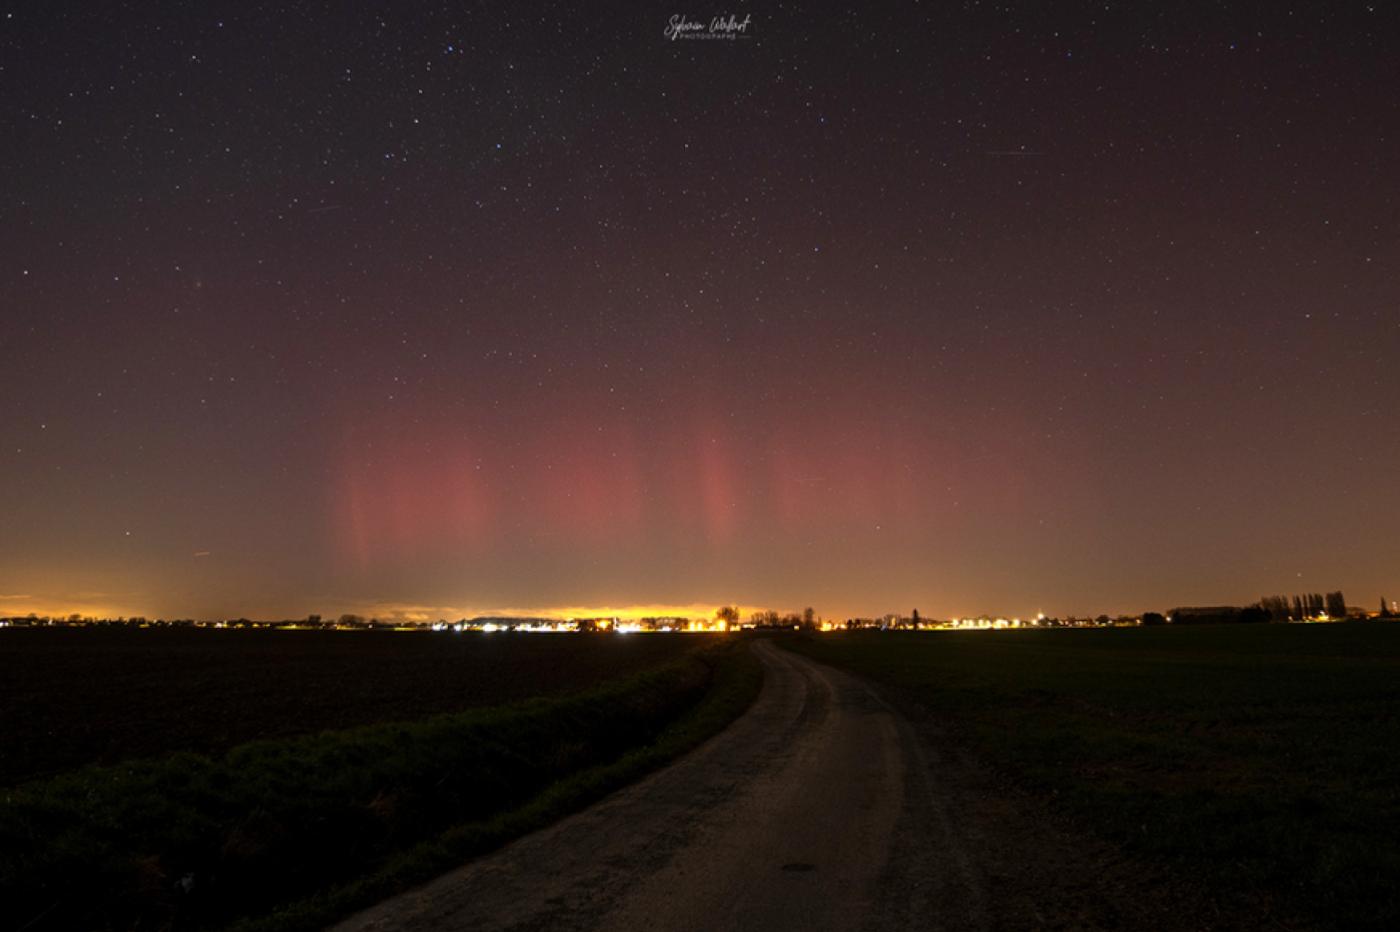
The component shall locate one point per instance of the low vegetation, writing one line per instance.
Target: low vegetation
(1263, 762)
(73, 697)
(289, 833)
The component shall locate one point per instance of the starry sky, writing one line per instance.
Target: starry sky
(425, 309)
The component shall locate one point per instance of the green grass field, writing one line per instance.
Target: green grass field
(71, 697)
(290, 833)
(1262, 761)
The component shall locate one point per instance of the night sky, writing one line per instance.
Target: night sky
(435, 309)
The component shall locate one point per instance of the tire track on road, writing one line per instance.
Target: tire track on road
(786, 820)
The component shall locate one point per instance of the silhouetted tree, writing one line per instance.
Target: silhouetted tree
(914, 619)
(809, 617)
(1312, 604)
(729, 614)
(1336, 604)
(1154, 618)
(1385, 608)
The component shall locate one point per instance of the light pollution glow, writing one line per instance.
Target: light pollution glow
(620, 328)
(21, 605)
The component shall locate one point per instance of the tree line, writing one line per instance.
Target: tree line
(807, 618)
(1306, 605)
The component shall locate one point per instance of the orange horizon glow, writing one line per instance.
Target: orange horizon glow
(396, 612)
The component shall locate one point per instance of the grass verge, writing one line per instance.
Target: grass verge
(208, 691)
(303, 830)
(1262, 762)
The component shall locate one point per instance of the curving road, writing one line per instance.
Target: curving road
(815, 810)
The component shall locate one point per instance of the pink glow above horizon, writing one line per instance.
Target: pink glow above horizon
(304, 326)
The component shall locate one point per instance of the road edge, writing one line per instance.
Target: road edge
(737, 681)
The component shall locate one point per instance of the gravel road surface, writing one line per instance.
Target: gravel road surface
(815, 810)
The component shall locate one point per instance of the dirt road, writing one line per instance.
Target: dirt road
(815, 810)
